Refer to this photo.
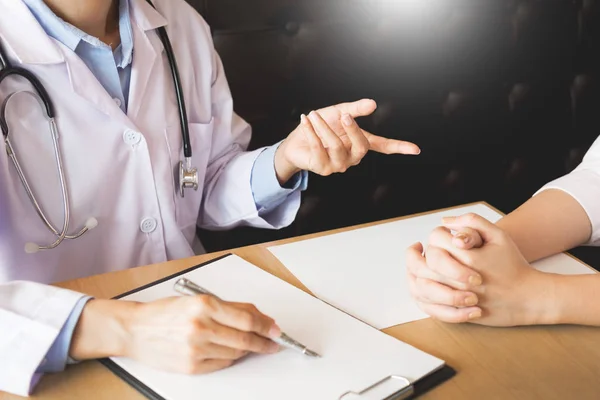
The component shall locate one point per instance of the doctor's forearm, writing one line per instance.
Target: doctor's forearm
(101, 330)
(547, 224)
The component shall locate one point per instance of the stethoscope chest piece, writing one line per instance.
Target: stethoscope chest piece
(188, 176)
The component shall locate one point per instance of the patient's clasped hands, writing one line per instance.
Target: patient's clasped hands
(478, 275)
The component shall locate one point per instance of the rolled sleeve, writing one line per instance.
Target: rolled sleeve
(268, 193)
(584, 186)
(58, 356)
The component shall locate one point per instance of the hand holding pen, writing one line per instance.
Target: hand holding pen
(187, 287)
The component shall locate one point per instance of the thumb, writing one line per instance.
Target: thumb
(467, 238)
(487, 230)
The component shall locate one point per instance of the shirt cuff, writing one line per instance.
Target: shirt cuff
(584, 186)
(268, 193)
(58, 356)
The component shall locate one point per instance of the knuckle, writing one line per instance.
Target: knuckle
(208, 331)
(203, 304)
(337, 166)
(192, 332)
(457, 299)
(436, 235)
(470, 217)
(360, 151)
(252, 308)
(326, 171)
(247, 321)
(469, 260)
(336, 145)
(193, 362)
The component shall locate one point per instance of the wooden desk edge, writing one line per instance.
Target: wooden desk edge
(240, 251)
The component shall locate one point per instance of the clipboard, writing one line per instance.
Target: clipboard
(403, 389)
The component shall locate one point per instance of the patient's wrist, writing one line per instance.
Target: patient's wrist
(545, 301)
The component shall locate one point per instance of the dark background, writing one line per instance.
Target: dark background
(502, 96)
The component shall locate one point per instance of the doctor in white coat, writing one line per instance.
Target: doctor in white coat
(105, 69)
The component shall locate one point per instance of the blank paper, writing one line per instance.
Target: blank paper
(363, 271)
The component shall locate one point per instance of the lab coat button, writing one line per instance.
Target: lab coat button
(131, 137)
(148, 225)
(117, 101)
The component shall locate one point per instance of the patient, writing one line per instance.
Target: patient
(482, 274)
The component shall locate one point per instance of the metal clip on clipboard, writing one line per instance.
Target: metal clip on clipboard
(404, 393)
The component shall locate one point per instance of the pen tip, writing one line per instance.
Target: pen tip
(311, 353)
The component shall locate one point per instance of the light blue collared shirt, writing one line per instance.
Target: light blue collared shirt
(113, 71)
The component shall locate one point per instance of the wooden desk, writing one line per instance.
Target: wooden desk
(559, 362)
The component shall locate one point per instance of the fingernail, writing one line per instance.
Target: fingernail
(475, 314)
(275, 331)
(470, 301)
(346, 120)
(303, 119)
(312, 116)
(418, 152)
(475, 280)
(462, 237)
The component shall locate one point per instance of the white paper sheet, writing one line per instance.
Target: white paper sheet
(354, 355)
(363, 271)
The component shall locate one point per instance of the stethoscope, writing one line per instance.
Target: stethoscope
(188, 176)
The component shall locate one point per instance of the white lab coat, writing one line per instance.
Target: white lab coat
(120, 170)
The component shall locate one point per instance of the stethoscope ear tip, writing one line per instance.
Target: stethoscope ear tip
(91, 223)
(31, 248)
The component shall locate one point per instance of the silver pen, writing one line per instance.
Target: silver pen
(189, 288)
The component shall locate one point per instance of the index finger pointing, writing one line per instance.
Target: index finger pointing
(391, 146)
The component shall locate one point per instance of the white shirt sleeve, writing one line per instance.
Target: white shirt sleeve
(583, 184)
(31, 318)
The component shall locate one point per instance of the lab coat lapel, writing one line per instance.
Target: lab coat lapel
(146, 49)
(87, 86)
(30, 44)
(24, 37)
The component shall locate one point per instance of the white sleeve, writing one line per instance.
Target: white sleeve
(228, 198)
(31, 317)
(583, 184)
